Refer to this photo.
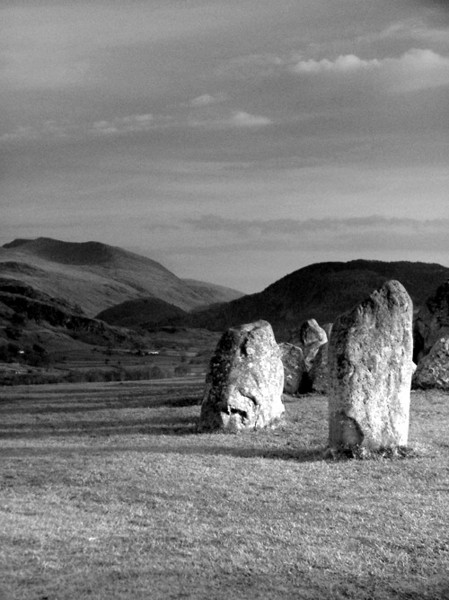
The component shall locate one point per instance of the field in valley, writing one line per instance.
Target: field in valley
(107, 491)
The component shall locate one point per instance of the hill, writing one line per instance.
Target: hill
(144, 311)
(96, 276)
(213, 293)
(321, 291)
(28, 314)
(45, 339)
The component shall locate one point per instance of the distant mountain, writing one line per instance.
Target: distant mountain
(96, 276)
(321, 291)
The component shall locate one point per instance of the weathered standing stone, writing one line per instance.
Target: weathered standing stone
(370, 369)
(245, 381)
(294, 367)
(319, 371)
(433, 369)
(432, 322)
(311, 337)
(327, 327)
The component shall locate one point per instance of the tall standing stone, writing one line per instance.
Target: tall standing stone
(370, 369)
(294, 367)
(245, 381)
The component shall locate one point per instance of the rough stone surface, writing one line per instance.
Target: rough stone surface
(245, 381)
(294, 367)
(433, 369)
(370, 369)
(328, 329)
(432, 322)
(319, 372)
(309, 337)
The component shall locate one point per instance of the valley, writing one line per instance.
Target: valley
(93, 312)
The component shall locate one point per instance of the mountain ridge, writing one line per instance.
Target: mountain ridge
(96, 276)
(321, 291)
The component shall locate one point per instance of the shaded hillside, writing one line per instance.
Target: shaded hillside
(97, 276)
(48, 340)
(213, 293)
(144, 311)
(22, 308)
(321, 291)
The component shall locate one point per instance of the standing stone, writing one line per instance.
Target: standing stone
(432, 322)
(310, 336)
(294, 367)
(433, 369)
(245, 381)
(327, 327)
(319, 371)
(370, 369)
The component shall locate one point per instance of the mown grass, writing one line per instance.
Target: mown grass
(107, 491)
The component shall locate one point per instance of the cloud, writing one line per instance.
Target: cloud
(64, 130)
(373, 232)
(126, 124)
(205, 100)
(239, 119)
(52, 130)
(418, 68)
(244, 119)
(47, 130)
(435, 11)
(343, 64)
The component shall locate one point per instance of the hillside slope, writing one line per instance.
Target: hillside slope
(321, 291)
(144, 311)
(213, 293)
(96, 276)
(28, 316)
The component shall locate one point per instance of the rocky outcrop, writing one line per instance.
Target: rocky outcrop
(245, 381)
(433, 369)
(432, 322)
(370, 369)
(294, 367)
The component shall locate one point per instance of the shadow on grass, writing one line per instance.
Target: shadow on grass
(168, 425)
(45, 406)
(298, 455)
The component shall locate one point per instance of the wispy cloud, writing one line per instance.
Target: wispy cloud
(65, 130)
(244, 119)
(123, 124)
(130, 124)
(418, 68)
(370, 232)
(206, 100)
(342, 64)
(238, 119)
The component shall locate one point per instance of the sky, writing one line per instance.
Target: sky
(234, 142)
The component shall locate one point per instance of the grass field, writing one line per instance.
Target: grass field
(107, 491)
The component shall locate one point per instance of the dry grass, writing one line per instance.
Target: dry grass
(108, 492)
